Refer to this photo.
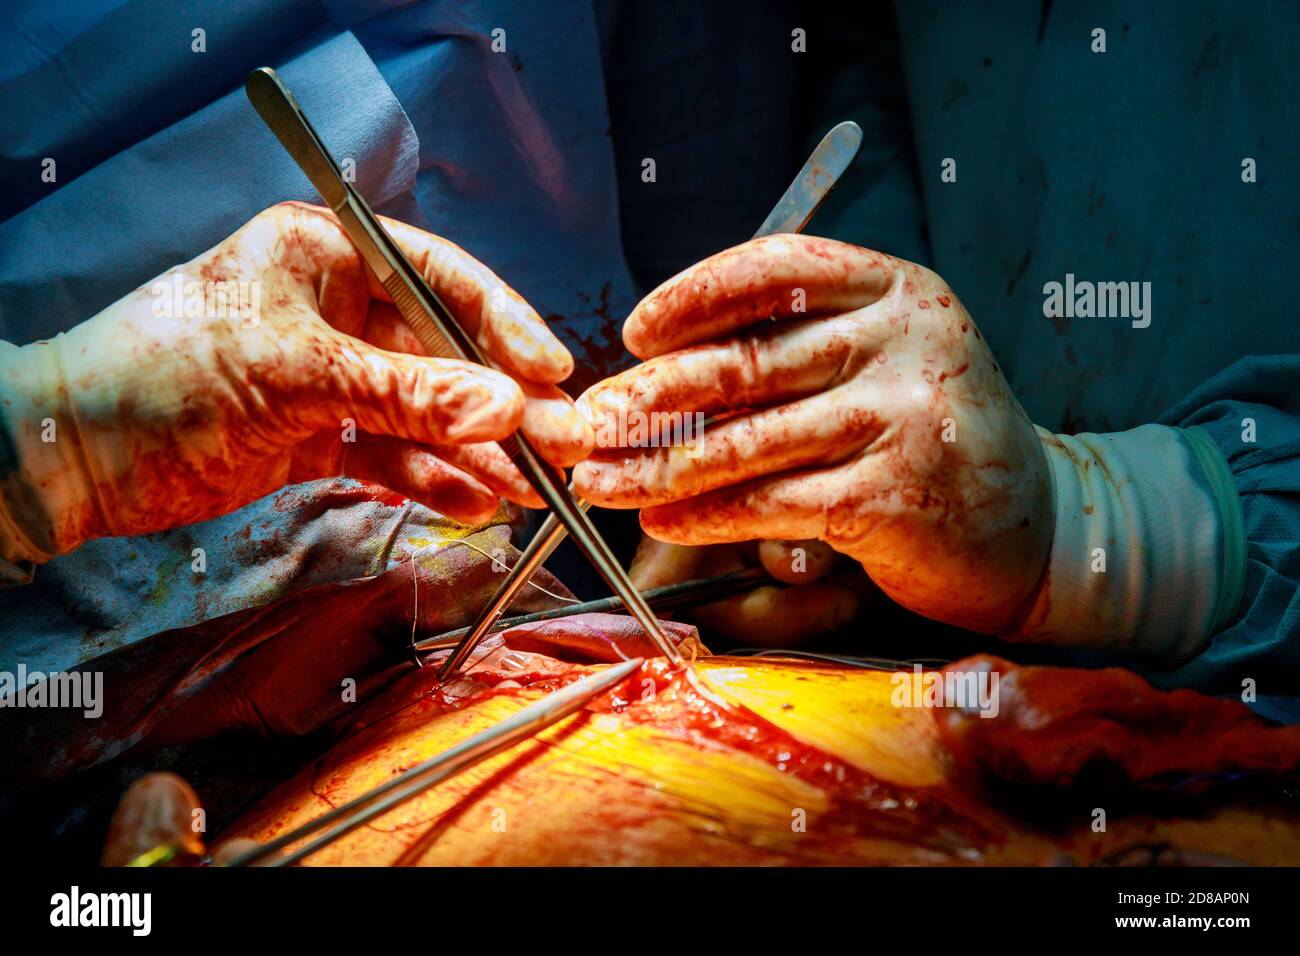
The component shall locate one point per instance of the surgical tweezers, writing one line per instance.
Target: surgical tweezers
(811, 185)
(434, 325)
(515, 729)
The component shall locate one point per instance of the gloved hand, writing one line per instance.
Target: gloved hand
(867, 411)
(869, 415)
(819, 595)
(166, 409)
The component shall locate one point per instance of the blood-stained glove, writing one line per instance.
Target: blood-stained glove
(820, 591)
(273, 358)
(160, 822)
(864, 409)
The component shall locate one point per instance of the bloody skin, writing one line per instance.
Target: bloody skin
(680, 706)
(1058, 723)
(953, 820)
(860, 803)
(869, 414)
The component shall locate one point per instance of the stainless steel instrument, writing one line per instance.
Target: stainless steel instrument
(682, 594)
(434, 325)
(528, 722)
(810, 187)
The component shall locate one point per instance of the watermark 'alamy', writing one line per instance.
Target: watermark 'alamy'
(76, 908)
(1102, 300)
(965, 690)
(638, 429)
(224, 299)
(83, 690)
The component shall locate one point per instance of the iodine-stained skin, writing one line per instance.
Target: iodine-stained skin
(168, 415)
(765, 762)
(864, 409)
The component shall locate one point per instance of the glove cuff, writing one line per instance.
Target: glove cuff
(48, 503)
(1148, 552)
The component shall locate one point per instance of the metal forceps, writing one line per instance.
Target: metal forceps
(810, 186)
(518, 727)
(435, 326)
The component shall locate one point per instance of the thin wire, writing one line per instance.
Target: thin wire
(869, 663)
(695, 652)
(415, 585)
(496, 562)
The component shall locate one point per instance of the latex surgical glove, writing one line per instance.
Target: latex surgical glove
(814, 595)
(867, 411)
(169, 408)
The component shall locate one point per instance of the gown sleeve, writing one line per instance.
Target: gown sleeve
(1251, 411)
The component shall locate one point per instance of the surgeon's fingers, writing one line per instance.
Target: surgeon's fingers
(815, 431)
(413, 470)
(489, 464)
(503, 324)
(796, 562)
(772, 277)
(386, 329)
(560, 433)
(771, 616)
(322, 376)
(309, 240)
(764, 366)
(657, 564)
(807, 504)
